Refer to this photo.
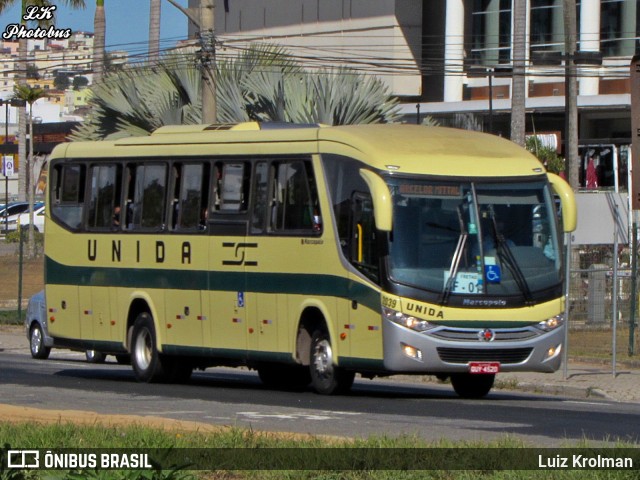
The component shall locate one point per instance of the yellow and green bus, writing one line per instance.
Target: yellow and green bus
(309, 253)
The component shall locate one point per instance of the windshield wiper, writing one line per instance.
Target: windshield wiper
(455, 261)
(506, 255)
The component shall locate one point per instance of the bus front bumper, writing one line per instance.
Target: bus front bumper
(451, 350)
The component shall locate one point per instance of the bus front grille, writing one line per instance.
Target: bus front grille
(466, 355)
(472, 334)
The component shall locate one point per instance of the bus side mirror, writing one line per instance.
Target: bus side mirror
(569, 210)
(381, 196)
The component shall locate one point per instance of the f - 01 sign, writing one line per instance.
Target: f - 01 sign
(7, 166)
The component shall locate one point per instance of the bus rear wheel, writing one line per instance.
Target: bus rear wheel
(145, 358)
(472, 386)
(326, 377)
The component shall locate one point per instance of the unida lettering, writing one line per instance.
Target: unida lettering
(424, 310)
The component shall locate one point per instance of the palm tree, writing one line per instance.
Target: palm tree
(99, 28)
(519, 72)
(262, 84)
(154, 31)
(30, 95)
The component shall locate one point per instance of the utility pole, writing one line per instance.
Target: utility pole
(205, 22)
(208, 61)
(21, 78)
(571, 93)
(518, 82)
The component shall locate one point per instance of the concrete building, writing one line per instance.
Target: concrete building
(443, 57)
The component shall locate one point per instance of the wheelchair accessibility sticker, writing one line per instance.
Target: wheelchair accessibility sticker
(492, 273)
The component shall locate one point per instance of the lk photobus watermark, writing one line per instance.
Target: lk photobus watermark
(36, 13)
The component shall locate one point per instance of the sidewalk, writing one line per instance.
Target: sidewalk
(585, 380)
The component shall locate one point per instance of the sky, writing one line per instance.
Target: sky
(127, 22)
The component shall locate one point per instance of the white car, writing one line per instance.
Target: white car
(9, 215)
(38, 219)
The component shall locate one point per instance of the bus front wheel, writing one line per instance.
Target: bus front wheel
(472, 386)
(326, 377)
(145, 358)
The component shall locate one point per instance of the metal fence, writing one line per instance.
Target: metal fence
(601, 304)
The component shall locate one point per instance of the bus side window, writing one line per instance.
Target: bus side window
(364, 251)
(294, 201)
(231, 188)
(104, 197)
(261, 198)
(126, 212)
(174, 198)
(149, 197)
(67, 202)
(189, 204)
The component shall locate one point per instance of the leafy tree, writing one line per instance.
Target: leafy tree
(549, 157)
(263, 83)
(32, 72)
(79, 82)
(61, 81)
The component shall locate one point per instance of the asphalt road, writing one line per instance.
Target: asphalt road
(237, 398)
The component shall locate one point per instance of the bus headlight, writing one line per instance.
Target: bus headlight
(551, 323)
(407, 321)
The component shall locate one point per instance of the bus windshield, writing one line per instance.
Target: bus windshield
(473, 238)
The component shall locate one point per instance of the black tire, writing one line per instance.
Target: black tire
(284, 377)
(145, 358)
(326, 377)
(472, 386)
(36, 343)
(93, 356)
(123, 359)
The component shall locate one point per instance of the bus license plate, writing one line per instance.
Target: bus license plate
(484, 368)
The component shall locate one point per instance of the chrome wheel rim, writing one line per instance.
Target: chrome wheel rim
(323, 358)
(36, 340)
(143, 350)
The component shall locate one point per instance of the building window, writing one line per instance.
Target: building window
(619, 32)
(547, 29)
(491, 32)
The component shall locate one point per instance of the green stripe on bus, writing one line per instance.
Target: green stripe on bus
(291, 283)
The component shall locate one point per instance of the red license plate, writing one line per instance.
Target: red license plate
(484, 368)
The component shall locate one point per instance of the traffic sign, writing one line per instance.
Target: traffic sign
(7, 166)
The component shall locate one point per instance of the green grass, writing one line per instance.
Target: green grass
(65, 435)
(10, 317)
